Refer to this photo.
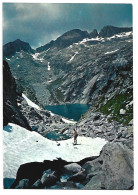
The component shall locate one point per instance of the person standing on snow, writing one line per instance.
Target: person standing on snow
(75, 136)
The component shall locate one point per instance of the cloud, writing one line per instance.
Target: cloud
(39, 23)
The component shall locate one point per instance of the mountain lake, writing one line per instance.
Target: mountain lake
(70, 111)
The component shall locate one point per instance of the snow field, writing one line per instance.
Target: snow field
(23, 146)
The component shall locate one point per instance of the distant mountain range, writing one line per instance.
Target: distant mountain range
(76, 35)
(68, 38)
(78, 67)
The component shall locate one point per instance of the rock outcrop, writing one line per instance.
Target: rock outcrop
(11, 94)
(113, 170)
(94, 34)
(72, 168)
(51, 175)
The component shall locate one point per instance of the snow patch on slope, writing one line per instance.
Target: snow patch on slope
(120, 35)
(101, 39)
(92, 39)
(48, 68)
(30, 103)
(73, 57)
(23, 146)
(51, 113)
(68, 121)
(110, 52)
(36, 57)
(8, 59)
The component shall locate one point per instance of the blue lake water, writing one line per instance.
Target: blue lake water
(56, 136)
(70, 111)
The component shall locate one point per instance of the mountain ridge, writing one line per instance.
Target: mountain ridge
(63, 41)
(104, 32)
(91, 71)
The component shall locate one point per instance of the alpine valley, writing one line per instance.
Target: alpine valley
(76, 68)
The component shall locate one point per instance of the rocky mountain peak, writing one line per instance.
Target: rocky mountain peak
(109, 30)
(75, 33)
(94, 34)
(68, 38)
(18, 41)
(11, 48)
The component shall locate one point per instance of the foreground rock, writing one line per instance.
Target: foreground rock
(49, 174)
(23, 184)
(112, 170)
(78, 177)
(116, 170)
(49, 179)
(37, 185)
(72, 168)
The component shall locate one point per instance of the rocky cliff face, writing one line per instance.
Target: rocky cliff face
(11, 96)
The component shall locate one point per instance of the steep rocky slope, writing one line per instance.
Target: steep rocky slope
(11, 96)
(16, 109)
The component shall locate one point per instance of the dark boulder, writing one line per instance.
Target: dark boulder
(23, 184)
(49, 179)
(78, 177)
(34, 170)
(37, 185)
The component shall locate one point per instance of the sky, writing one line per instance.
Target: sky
(39, 23)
